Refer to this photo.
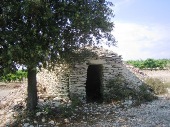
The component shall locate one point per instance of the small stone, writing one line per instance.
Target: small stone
(107, 113)
(56, 98)
(66, 120)
(28, 119)
(2, 112)
(128, 102)
(16, 101)
(35, 122)
(51, 122)
(38, 113)
(3, 102)
(43, 120)
(57, 104)
(41, 100)
(26, 124)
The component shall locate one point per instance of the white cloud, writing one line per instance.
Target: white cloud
(120, 3)
(136, 41)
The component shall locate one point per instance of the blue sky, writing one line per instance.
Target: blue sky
(142, 28)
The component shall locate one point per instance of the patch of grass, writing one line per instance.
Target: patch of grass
(156, 85)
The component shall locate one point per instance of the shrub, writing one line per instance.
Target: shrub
(145, 93)
(13, 77)
(118, 90)
(75, 101)
(157, 85)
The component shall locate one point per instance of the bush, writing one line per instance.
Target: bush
(157, 85)
(145, 93)
(75, 101)
(13, 77)
(118, 90)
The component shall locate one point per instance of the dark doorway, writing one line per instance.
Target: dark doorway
(94, 84)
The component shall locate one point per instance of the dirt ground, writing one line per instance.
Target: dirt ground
(7, 88)
(164, 75)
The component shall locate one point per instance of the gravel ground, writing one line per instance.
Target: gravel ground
(151, 114)
(7, 88)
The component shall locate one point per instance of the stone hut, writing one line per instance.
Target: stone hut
(86, 80)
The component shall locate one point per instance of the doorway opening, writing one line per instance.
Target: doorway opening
(94, 84)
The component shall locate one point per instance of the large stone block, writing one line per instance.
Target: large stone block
(96, 62)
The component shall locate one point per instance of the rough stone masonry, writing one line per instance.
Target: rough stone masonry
(64, 82)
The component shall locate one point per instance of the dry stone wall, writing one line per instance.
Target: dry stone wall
(65, 82)
(52, 84)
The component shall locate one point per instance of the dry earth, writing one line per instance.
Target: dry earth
(11, 95)
(152, 114)
(161, 74)
(7, 88)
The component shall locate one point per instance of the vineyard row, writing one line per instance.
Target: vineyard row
(14, 77)
(150, 63)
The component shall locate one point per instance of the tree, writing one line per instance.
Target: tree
(37, 32)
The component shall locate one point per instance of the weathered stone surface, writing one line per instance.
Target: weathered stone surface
(64, 80)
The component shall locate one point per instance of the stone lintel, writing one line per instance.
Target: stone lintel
(96, 62)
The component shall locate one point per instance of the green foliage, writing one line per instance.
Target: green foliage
(75, 101)
(144, 94)
(150, 63)
(157, 85)
(13, 77)
(36, 32)
(43, 33)
(118, 90)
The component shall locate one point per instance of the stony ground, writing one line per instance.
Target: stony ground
(116, 114)
(152, 114)
(12, 96)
